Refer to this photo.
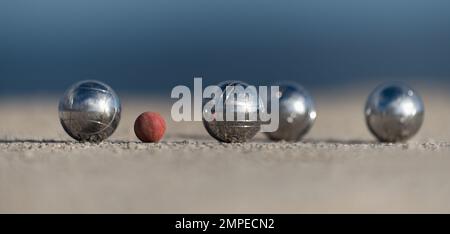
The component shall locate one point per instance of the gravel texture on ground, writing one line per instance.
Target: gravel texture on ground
(338, 167)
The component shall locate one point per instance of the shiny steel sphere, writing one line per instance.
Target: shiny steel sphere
(233, 130)
(394, 112)
(90, 111)
(296, 112)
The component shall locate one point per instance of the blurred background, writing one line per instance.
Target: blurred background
(148, 47)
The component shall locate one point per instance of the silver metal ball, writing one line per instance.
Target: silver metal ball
(394, 112)
(296, 112)
(233, 130)
(90, 111)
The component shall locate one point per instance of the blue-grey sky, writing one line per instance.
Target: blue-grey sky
(148, 46)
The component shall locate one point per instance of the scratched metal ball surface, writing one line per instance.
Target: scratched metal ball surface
(234, 130)
(90, 111)
(296, 112)
(394, 112)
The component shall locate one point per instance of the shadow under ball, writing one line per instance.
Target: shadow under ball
(297, 112)
(233, 130)
(90, 111)
(394, 112)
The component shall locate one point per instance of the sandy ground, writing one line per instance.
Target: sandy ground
(337, 168)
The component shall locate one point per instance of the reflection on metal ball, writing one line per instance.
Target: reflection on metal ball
(244, 123)
(296, 112)
(90, 111)
(394, 112)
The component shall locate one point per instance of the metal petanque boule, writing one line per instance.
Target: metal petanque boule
(394, 112)
(296, 112)
(90, 111)
(234, 130)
